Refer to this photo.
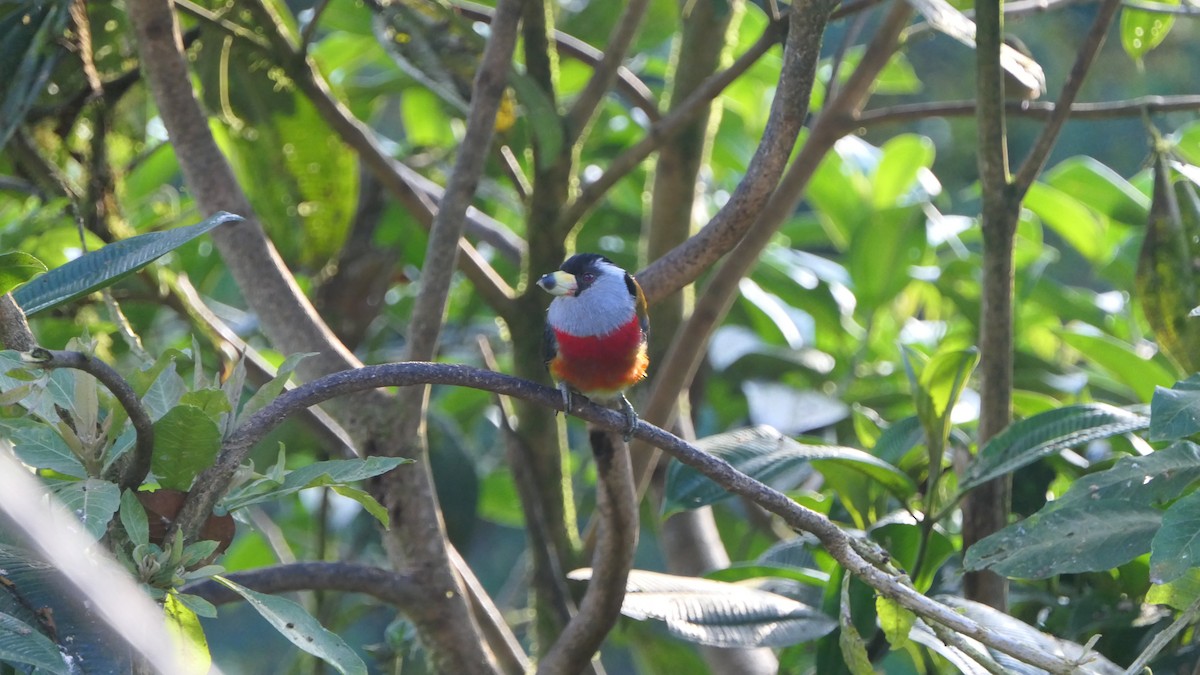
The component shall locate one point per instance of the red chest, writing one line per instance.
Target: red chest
(601, 365)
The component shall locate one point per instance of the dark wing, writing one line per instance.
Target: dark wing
(639, 300)
(549, 345)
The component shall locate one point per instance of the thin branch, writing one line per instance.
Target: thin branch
(666, 128)
(628, 84)
(399, 590)
(499, 636)
(135, 471)
(1164, 638)
(1101, 110)
(310, 28)
(616, 541)
(616, 47)
(1032, 166)
(14, 329)
(836, 541)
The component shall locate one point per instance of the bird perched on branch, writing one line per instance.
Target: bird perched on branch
(596, 328)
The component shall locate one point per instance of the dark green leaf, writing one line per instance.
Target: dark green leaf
(1031, 439)
(897, 440)
(95, 270)
(39, 445)
(24, 644)
(854, 648)
(186, 441)
(716, 613)
(1078, 538)
(93, 501)
(1175, 412)
(1148, 480)
(301, 629)
(134, 519)
(28, 51)
(1176, 547)
(765, 454)
(16, 268)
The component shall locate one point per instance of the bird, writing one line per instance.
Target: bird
(596, 331)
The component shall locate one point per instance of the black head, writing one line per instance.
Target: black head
(578, 263)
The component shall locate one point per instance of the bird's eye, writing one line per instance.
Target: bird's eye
(589, 277)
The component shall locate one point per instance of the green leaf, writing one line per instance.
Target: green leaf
(1099, 188)
(1148, 480)
(134, 520)
(1028, 440)
(1176, 547)
(187, 635)
(22, 643)
(271, 390)
(318, 474)
(301, 629)
(904, 157)
(95, 270)
(213, 402)
(28, 53)
(1122, 360)
(765, 454)
(186, 441)
(901, 232)
(716, 613)
(854, 648)
(1073, 221)
(16, 268)
(544, 121)
(39, 445)
(372, 505)
(1179, 594)
(1175, 412)
(1142, 31)
(905, 541)
(1078, 538)
(93, 501)
(898, 440)
(942, 380)
(896, 621)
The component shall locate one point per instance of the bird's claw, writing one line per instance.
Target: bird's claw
(631, 418)
(566, 397)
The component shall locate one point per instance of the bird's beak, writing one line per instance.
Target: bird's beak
(558, 283)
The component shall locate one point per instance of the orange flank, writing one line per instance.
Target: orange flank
(601, 366)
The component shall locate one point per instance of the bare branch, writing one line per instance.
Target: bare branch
(14, 329)
(1032, 166)
(585, 106)
(400, 590)
(658, 133)
(134, 471)
(616, 540)
(1101, 110)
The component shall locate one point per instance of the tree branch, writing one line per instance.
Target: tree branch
(666, 128)
(616, 540)
(1100, 110)
(839, 544)
(135, 470)
(1032, 166)
(584, 109)
(14, 329)
(399, 590)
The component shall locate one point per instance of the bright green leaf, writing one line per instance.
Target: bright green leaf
(369, 503)
(1179, 594)
(1142, 31)
(187, 635)
(186, 441)
(904, 157)
(854, 648)
(1067, 216)
(1122, 360)
(271, 390)
(16, 268)
(895, 620)
(301, 629)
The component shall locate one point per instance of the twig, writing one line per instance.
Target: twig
(1032, 109)
(310, 28)
(616, 540)
(664, 129)
(499, 636)
(1084, 59)
(627, 82)
(1164, 637)
(396, 589)
(14, 329)
(584, 109)
(135, 471)
(837, 542)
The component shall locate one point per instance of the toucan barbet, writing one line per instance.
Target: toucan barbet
(596, 330)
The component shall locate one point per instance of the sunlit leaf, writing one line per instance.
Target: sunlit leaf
(1068, 217)
(1176, 547)
(186, 441)
(1142, 31)
(904, 157)
(1119, 358)
(895, 620)
(16, 268)
(187, 635)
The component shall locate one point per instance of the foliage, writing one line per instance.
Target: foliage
(843, 374)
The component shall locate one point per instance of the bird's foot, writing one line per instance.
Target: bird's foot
(631, 418)
(566, 396)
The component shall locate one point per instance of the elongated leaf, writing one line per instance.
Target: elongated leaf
(1166, 281)
(1077, 538)
(39, 445)
(16, 268)
(22, 643)
(1175, 412)
(1146, 481)
(301, 629)
(765, 454)
(1100, 188)
(895, 620)
(28, 52)
(904, 157)
(854, 648)
(1031, 439)
(716, 613)
(318, 474)
(186, 441)
(1122, 360)
(184, 628)
(1142, 31)
(1067, 216)
(1176, 547)
(271, 390)
(95, 270)
(134, 519)
(93, 501)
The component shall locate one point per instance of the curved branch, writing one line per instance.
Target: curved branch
(1101, 110)
(584, 109)
(400, 590)
(839, 544)
(134, 471)
(666, 128)
(616, 540)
